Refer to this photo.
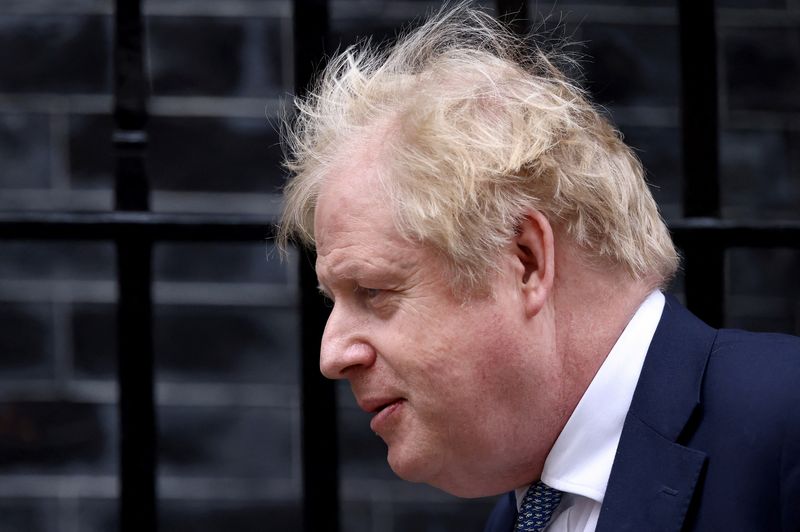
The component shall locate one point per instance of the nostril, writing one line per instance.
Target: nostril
(336, 361)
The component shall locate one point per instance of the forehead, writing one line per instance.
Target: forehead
(352, 196)
(355, 238)
(343, 208)
(355, 230)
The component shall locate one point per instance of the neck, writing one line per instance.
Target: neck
(591, 309)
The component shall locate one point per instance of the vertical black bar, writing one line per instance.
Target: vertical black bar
(704, 282)
(320, 445)
(130, 106)
(137, 419)
(704, 267)
(698, 45)
(515, 14)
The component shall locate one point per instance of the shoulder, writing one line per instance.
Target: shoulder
(750, 394)
(756, 367)
(755, 376)
(767, 344)
(748, 423)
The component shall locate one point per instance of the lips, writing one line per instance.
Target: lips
(378, 404)
(386, 416)
(385, 410)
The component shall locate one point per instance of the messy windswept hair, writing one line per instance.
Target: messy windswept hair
(481, 128)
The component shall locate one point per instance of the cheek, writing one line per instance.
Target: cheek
(500, 363)
(478, 358)
(423, 341)
(457, 354)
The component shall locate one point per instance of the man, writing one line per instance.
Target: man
(495, 257)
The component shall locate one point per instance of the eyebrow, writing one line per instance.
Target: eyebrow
(354, 273)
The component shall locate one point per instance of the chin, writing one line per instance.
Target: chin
(463, 490)
(413, 467)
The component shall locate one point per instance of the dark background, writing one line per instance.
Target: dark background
(226, 321)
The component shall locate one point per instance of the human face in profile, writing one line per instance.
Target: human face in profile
(457, 389)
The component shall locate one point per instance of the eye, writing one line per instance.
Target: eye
(381, 301)
(369, 294)
(372, 293)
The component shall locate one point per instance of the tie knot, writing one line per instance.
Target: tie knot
(537, 508)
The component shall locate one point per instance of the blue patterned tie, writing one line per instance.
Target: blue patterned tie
(537, 508)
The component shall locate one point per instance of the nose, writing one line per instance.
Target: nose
(344, 345)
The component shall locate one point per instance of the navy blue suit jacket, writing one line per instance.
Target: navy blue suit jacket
(712, 438)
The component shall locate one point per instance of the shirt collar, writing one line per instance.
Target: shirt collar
(581, 458)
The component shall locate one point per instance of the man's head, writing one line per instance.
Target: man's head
(468, 206)
(474, 128)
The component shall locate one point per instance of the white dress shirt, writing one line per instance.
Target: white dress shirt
(580, 461)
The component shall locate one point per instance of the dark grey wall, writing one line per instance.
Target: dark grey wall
(225, 320)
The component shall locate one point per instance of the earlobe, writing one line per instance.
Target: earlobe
(535, 250)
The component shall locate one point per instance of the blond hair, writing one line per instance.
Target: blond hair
(481, 128)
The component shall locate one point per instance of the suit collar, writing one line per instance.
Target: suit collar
(670, 384)
(503, 515)
(654, 476)
(581, 459)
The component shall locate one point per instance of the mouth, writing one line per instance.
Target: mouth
(378, 405)
(385, 416)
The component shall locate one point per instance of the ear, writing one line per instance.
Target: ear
(534, 250)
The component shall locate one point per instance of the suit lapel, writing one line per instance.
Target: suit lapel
(653, 477)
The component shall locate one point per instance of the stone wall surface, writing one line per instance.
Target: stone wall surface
(226, 322)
